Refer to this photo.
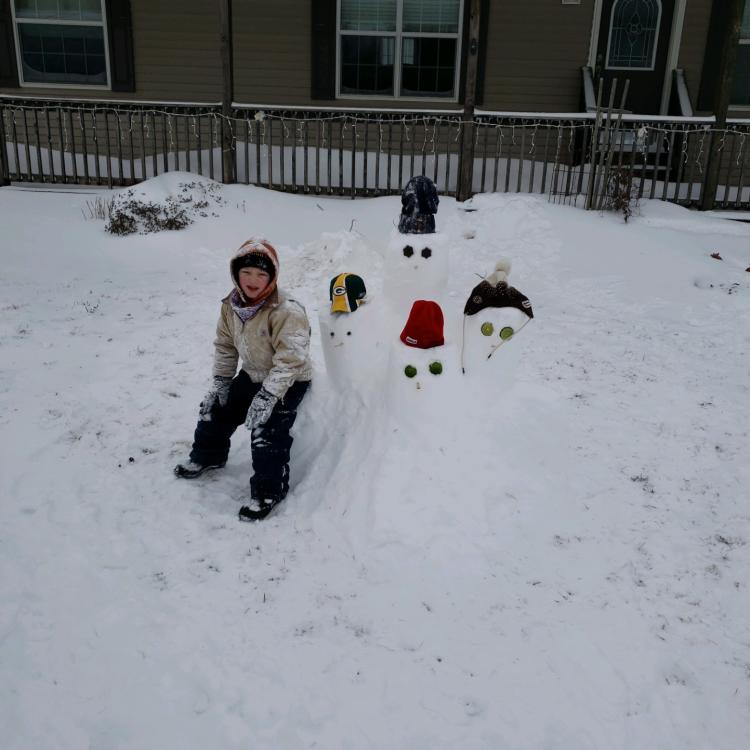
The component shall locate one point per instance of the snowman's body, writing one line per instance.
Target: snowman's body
(354, 348)
(494, 343)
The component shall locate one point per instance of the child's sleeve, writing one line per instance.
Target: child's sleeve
(226, 355)
(290, 338)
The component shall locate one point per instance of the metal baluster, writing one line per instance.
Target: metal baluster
(741, 179)
(109, 150)
(354, 158)
(365, 153)
(247, 148)
(74, 153)
(27, 145)
(63, 167)
(668, 168)
(342, 126)
(306, 139)
(546, 156)
(97, 164)
(521, 157)
(50, 160)
(484, 154)
(730, 169)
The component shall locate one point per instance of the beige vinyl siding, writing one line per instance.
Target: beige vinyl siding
(176, 51)
(693, 44)
(534, 55)
(272, 51)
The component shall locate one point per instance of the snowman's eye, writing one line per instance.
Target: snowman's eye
(408, 251)
(348, 333)
(426, 253)
(487, 329)
(332, 334)
(506, 332)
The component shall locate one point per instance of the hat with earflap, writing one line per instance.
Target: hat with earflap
(256, 253)
(424, 328)
(347, 292)
(494, 291)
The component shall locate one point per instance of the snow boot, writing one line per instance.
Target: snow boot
(191, 470)
(257, 510)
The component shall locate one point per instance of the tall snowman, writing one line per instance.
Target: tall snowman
(416, 259)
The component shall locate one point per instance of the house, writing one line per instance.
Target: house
(352, 96)
(365, 54)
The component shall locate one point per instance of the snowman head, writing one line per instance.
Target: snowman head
(416, 267)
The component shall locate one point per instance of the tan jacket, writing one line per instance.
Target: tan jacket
(274, 346)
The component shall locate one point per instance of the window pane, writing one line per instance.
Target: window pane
(431, 16)
(745, 32)
(367, 65)
(25, 8)
(64, 10)
(368, 15)
(634, 26)
(62, 54)
(428, 67)
(741, 78)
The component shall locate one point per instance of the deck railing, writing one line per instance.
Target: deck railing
(370, 153)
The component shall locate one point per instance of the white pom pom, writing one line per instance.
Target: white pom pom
(502, 269)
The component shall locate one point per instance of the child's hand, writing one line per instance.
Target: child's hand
(219, 391)
(260, 409)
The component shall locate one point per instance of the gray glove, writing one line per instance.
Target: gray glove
(218, 392)
(260, 409)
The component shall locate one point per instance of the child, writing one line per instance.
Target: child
(270, 333)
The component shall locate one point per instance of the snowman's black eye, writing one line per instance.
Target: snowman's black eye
(348, 333)
(408, 251)
(332, 334)
(426, 253)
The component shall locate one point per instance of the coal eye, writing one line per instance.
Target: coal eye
(332, 334)
(408, 251)
(348, 333)
(426, 253)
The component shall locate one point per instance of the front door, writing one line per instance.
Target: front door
(633, 44)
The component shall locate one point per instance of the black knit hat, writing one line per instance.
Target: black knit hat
(254, 260)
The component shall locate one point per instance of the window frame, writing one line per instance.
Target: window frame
(656, 40)
(59, 22)
(398, 34)
(742, 41)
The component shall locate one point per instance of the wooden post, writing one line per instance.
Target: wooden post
(466, 170)
(721, 102)
(228, 173)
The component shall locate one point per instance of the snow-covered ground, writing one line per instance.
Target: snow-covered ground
(560, 562)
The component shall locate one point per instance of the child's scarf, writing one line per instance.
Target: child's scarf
(245, 313)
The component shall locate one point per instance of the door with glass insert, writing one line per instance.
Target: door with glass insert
(633, 44)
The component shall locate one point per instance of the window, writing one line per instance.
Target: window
(741, 79)
(61, 42)
(399, 48)
(633, 34)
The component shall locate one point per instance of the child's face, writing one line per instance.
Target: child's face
(253, 282)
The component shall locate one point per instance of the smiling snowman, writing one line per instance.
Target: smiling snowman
(353, 337)
(494, 315)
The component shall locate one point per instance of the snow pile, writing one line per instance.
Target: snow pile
(549, 552)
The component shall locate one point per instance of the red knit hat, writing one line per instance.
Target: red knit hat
(424, 328)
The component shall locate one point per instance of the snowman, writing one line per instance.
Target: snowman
(353, 337)
(494, 315)
(421, 366)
